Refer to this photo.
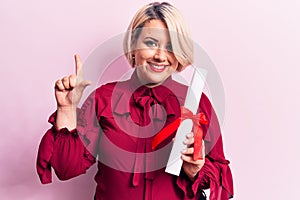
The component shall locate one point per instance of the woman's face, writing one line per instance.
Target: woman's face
(154, 60)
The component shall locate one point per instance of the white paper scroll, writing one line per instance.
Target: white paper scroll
(191, 102)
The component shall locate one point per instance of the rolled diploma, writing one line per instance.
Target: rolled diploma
(191, 102)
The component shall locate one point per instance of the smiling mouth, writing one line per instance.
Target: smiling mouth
(157, 68)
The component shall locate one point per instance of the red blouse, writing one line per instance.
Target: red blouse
(117, 124)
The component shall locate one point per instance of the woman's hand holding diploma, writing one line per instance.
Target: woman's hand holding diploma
(190, 166)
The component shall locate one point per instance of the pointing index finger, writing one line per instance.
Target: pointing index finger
(78, 65)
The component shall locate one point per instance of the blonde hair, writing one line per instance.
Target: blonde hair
(182, 45)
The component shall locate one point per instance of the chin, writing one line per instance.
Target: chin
(156, 81)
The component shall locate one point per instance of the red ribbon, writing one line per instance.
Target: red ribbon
(197, 119)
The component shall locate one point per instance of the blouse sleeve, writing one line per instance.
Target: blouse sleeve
(69, 153)
(215, 174)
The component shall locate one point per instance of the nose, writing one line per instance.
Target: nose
(160, 55)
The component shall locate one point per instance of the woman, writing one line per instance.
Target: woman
(119, 121)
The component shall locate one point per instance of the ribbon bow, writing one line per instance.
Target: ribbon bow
(197, 119)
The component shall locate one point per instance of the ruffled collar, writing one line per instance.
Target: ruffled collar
(128, 92)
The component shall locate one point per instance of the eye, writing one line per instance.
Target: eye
(169, 47)
(150, 43)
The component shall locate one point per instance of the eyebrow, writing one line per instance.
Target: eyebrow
(151, 38)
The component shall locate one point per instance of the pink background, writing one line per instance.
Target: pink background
(254, 44)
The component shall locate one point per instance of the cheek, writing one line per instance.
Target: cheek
(144, 54)
(174, 61)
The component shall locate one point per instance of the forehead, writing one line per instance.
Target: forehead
(156, 29)
(155, 23)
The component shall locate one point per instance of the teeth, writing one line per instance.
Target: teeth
(158, 67)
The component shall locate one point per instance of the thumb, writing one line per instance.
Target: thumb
(83, 84)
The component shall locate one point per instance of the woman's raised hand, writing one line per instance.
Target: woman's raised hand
(69, 89)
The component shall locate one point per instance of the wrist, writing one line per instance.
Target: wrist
(71, 108)
(66, 117)
(192, 176)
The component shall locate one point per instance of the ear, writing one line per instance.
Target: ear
(133, 59)
(133, 51)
